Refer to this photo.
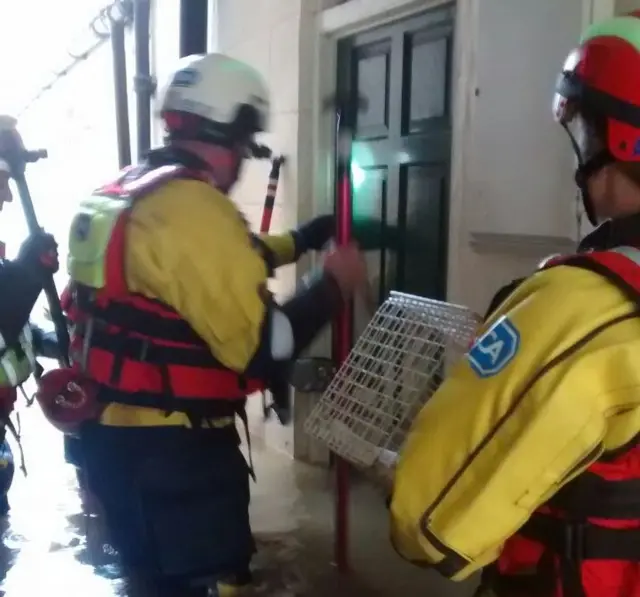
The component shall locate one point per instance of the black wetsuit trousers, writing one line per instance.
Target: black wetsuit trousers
(176, 500)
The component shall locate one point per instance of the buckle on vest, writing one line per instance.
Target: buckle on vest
(144, 351)
(574, 541)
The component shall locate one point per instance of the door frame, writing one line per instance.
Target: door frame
(357, 16)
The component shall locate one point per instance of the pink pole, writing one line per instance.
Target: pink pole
(342, 331)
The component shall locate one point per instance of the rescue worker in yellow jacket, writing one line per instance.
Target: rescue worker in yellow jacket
(527, 460)
(174, 327)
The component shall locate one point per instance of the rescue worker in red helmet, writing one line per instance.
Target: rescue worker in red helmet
(21, 282)
(179, 328)
(527, 461)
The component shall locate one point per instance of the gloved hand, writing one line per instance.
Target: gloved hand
(369, 233)
(39, 255)
(348, 268)
(315, 234)
(45, 344)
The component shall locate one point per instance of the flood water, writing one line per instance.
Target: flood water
(51, 546)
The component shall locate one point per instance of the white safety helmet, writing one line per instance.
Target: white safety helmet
(215, 99)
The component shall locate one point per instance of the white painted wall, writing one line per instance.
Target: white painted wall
(519, 161)
(515, 198)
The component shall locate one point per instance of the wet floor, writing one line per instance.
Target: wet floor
(51, 547)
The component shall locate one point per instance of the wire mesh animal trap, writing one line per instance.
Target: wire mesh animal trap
(395, 366)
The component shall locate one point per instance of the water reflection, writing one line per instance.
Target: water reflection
(51, 545)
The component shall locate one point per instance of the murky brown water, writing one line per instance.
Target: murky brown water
(50, 546)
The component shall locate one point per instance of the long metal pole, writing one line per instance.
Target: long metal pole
(343, 328)
(144, 84)
(265, 226)
(123, 131)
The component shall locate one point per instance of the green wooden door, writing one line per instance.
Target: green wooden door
(402, 146)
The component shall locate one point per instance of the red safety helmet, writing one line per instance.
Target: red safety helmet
(67, 399)
(600, 81)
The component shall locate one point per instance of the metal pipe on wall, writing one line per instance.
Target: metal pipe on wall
(123, 131)
(144, 84)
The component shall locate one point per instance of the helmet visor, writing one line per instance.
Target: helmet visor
(568, 91)
(568, 107)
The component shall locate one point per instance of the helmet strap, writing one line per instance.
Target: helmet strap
(584, 172)
(191, 127)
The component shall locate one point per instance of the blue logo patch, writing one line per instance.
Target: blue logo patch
(495, 349)
(187, 77)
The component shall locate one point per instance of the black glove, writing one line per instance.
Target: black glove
(369, 233)
(315, 234)
(39, 255)
(45, 344)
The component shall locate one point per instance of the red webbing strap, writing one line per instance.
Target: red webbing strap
(114, 267)
(621, 266)
(115, 186)
(130, 187)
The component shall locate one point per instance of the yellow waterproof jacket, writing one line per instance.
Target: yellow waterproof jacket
(552, 384)
(188, 246)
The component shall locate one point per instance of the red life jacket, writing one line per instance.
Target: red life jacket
(585, 542)
(140, 351)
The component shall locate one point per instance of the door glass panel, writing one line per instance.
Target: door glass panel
(424, 239)
(428, 92)
(372, 64)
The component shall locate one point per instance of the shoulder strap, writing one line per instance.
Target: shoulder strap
(135, 182)
(132, 184)
(620, 266)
